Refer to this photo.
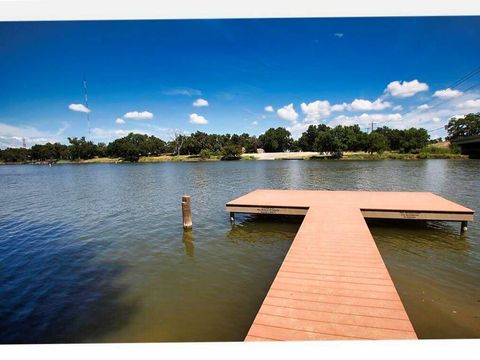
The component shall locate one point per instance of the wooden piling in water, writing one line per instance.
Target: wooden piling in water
(187, 212)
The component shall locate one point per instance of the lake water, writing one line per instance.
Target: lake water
(97, 253)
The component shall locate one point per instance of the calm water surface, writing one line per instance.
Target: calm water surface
(97, 253)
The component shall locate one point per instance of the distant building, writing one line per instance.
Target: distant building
(260, 151)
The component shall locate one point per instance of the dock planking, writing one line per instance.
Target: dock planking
(333, 283)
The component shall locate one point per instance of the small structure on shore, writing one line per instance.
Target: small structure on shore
(333, 283)
(469, 145)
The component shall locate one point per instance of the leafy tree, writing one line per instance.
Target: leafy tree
(377, 142)
(231, 152)
(205, 154)
(328, 141)
(469, 125)
(15, 155)
(276, 140)
(414, 139)
(306, 142)
(50, 151)
(132, 146)
(81, 148)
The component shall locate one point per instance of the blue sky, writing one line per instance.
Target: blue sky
(242, 75)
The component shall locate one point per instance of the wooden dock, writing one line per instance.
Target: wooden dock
(333, 283)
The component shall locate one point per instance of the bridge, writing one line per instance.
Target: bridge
(469, 145)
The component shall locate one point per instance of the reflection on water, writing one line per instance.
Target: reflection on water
(52, 290)
(188, 242)
(98, 253)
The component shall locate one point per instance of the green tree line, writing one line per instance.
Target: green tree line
(318, 138)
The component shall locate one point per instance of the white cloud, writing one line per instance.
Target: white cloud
(339, 107)
(424, 107)
(366, 105)
(135, 115)
(397, 108)
(108, 133)
(183, 91)
(288, 113)
(472, 104)
(198, 119)
(316, 110)
(255, 123)
(64, 127)
(447, 93)
(338, 35)
(405, 88)
(79, 108)
(436, 119)
(200, 103)
(298, 128)
(119, 121)
(12, 135)
(269, 108)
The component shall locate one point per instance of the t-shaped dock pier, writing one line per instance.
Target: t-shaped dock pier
(333, 283)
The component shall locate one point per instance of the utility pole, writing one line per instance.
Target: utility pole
(24, 143)
(373, 123)
(86, 103)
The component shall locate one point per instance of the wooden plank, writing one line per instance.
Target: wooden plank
(370, 214)
(417, 215)
(270, 210)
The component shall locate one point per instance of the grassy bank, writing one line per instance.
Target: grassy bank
(143, 159)
(430, 152)
(391, 155)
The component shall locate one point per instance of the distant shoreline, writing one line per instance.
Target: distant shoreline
(347, 156)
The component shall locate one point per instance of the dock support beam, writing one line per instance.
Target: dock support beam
(232, 217)
(187, 212)
(464, 227)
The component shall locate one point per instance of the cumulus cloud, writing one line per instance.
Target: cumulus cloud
(366, 105)
(269, 108)
(120, 121)
(439, 114)
(447, 93)
(339, 107)
(79, 108)
(12, 135)
(136, 115)
(472, 104)
(424, 107)
(200, 103)
(405, 88)
(316, 110)
(298, 128)
(198, 119)
(288, 113)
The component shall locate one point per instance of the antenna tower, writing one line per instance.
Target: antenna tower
(86, 103)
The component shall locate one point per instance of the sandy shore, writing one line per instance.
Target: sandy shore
(281, 155)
